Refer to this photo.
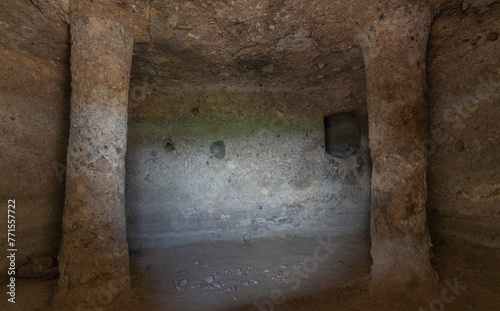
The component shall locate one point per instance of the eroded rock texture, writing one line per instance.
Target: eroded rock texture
(394, 53)
(93, 259)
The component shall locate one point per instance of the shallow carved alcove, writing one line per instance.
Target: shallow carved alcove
(342, 134)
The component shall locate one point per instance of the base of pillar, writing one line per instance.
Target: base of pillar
(97, 294)
(393, 291)
(402, 266)
(404, 283)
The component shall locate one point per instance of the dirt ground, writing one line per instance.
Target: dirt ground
(286, 274)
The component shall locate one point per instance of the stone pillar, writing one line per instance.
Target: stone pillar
(93, 258)
(394, 48)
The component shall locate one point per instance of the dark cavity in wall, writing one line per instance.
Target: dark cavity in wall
(218, 149)
(342, 134)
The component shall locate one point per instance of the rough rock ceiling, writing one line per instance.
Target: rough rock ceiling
(258, 42)
(268, 42)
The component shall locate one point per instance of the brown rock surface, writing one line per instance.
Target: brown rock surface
(94, 251)
(394, 52)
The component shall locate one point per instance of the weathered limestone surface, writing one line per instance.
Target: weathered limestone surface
(93, 259)
(394, 49)
(271, 178)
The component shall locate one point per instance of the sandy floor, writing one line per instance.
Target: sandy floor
(286, 274)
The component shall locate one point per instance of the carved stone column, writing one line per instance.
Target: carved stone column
(394, 49)
(93, 258)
